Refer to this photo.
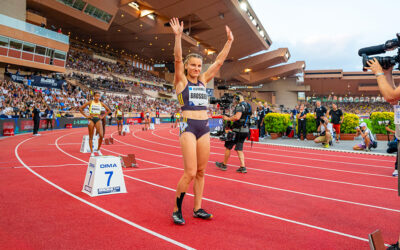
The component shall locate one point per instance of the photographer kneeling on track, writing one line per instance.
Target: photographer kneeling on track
(368, 140)
(325, 129)
(240, 131)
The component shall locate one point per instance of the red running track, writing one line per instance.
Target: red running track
(289, 199)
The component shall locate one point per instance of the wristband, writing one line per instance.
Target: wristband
(379, 74)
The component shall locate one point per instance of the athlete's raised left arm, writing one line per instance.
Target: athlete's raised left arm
(214, 68)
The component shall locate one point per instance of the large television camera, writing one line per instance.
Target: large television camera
(385, 61)
(224, 102)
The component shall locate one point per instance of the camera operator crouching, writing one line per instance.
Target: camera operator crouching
(325, 129)
(368, 140)
(239, 133)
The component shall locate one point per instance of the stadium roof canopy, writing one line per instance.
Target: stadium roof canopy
(337, 82)
(141, 28)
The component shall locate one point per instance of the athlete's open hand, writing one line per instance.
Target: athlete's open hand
(176, 27)
(229, 33)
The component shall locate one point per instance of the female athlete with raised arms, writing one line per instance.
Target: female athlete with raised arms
(194, 138)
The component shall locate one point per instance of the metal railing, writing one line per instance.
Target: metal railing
(33, 29)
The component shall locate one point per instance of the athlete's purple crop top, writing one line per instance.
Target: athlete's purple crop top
(193, 97)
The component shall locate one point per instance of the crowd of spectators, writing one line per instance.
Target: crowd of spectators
(114, 84)
(85, 62)
(365, 108)
(17, 100)
(360, 108)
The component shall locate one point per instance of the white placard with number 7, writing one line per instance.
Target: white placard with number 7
(104, 176)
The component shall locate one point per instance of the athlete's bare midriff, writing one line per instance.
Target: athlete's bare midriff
(195, 114)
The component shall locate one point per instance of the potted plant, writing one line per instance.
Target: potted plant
(276, 123)
(348, 127)
(379, 120)
(311, 126)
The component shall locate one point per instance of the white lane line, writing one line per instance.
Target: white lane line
(313, 148)
(284, 163)
(305, 177)
(139, 169)
(288, 156)
(241, 208)
(256, 212)
(278, 189)
(53, 166)
(72, 143)
(93, 205)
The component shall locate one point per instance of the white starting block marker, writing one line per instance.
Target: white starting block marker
(126, 129)
(85, 148)
(104, 176)
(152, 126)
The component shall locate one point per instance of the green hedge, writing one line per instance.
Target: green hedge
(311, 125)
(350, 122)
(381, 116)
(276, 123)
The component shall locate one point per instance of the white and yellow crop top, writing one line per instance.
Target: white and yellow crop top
(95, 108)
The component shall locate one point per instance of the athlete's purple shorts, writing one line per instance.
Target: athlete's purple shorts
(196, 127)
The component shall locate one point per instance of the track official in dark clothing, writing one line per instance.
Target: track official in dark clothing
(319, 111)
(36, 119)
(302, 121)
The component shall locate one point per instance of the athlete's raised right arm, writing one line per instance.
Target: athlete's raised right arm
(81, 108)
(179, 68)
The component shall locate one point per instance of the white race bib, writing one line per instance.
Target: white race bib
(396, 109)
(396, 114)
(198, 96)
(96, 109)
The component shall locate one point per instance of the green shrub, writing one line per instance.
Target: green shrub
(276, 123)
(311, 126)
(350, 122)
(368, 122)
(381, 116)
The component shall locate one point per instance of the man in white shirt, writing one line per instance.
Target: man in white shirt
(367, 138)
(325, 129)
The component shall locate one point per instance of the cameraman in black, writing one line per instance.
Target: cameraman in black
(240, 129)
